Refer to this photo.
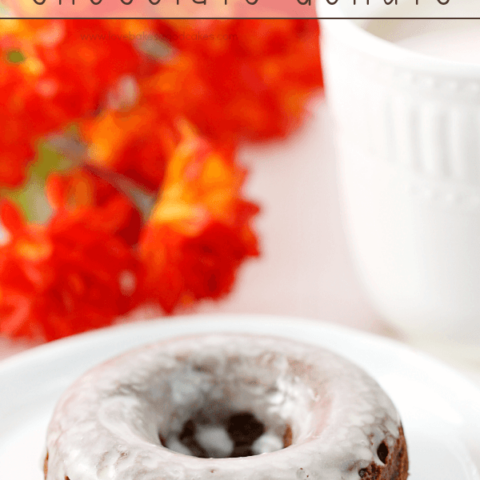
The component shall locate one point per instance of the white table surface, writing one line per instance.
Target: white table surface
(305, 269)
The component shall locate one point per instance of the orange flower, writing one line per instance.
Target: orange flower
(136, 142)
(63, 278)
(230, 84)
(199, 232)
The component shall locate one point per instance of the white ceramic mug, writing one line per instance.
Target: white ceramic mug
(408, 140)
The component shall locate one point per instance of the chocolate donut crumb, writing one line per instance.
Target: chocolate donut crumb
(287, 437)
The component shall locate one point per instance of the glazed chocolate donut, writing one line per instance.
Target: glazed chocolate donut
(226, 407)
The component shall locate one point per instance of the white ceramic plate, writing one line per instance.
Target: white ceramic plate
(440, 409)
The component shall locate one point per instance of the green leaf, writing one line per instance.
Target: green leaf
(31, 196)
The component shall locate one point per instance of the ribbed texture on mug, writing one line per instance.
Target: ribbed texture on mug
(428, 125)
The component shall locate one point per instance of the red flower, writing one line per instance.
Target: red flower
(63, 278)
(199, 232)
(73, 63)
(93, 201)
(62, 72)
(80, 271)
(209, 261)
(17, 131)
(241, 79)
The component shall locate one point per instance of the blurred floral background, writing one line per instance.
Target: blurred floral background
(120, 177)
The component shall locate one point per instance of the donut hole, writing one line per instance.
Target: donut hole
(382, 452)
(239, 434)
(236, 434)
(238, 407)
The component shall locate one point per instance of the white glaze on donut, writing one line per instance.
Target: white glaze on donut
(106, 426)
